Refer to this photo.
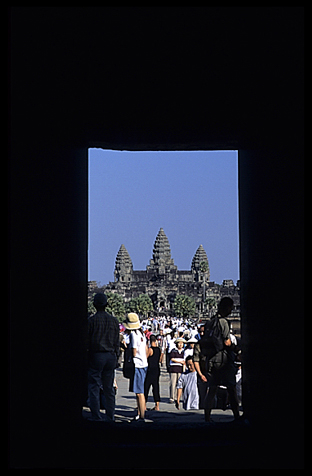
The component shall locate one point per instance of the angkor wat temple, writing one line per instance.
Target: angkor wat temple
(162, 281)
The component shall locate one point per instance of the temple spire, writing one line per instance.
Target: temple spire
(161, 254)
(200, 257)
(123, 266)
(161, 251)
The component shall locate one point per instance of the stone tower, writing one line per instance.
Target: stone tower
(199, 257)
(123, 266)
(161, 262)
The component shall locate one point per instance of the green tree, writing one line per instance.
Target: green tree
(91, 308)
(142, 305)
(145, 304)
(132, 305)
(184, 306)
(115, 306)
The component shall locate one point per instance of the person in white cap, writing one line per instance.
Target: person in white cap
(140, 354)
(177, 362)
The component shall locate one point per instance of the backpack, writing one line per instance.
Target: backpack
(128, 365)
(212, 341)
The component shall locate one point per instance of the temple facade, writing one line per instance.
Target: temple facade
(162, 281)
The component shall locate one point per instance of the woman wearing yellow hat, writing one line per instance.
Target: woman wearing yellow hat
(140, 353)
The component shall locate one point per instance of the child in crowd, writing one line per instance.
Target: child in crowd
(187, 384)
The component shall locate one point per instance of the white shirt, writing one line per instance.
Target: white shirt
(138, 342)
(170, 344)
(188, 352)
(233, 339)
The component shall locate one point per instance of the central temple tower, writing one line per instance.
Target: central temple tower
(162, 263)
(199, 262)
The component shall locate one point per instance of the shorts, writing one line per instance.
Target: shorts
(222, 376)
(139, 379)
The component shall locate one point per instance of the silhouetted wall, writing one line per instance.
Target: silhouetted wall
(196, 78)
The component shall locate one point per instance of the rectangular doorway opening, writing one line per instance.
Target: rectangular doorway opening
(163, 225)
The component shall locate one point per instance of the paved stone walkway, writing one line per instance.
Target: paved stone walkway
(168, 413)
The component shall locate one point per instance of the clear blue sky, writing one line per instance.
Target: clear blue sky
(193, 196)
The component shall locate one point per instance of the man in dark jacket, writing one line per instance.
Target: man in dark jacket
(104, 348)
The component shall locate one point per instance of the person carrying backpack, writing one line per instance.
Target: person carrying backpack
(216, 345)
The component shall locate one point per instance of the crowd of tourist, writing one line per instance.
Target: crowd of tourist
(197, 378)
